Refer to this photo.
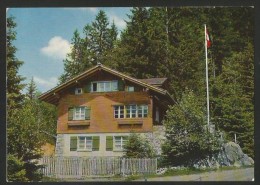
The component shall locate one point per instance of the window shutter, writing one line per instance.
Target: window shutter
(87, 113)
(95, 143)
(121, 85)
(70, 113)
(73, 143)
(87, 88)
(109, 143)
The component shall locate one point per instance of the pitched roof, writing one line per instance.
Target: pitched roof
(49, 96)
(154, 81)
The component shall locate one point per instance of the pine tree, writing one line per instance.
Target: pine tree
(74, 62)
(138, 147)
(96, 45)
(31, 90)
(132, 50)
(100, 37)
(234, 108)
(24, 122)
(14, 80)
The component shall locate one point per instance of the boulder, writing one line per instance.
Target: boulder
(230, 155)
(235, 155)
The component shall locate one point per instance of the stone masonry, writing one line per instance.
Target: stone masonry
(156, 138)
(59, 145)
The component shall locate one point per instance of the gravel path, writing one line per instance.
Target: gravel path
(246, 174)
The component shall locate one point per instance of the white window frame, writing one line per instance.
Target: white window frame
(105, 86)
(119, 143)
(132, 109)
(77, 91)
(142, 108)
(119, 111)
(80, 115)
(87, 145)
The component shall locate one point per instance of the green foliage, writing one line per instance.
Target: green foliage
(14, 81)
(15, 169)
(233, 104)
(76, 61)
(138, 147)
(26, 117)
(25, 136)
(96, 45)
(187, 139)
(31, 88)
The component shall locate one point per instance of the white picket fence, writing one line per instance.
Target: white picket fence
(80, 167)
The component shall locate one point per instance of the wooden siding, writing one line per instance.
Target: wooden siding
(102, 112)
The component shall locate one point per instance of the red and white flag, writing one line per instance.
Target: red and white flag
(207, 38)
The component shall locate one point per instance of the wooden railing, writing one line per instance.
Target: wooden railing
(80, 167)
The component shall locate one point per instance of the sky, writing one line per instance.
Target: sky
(44, 35)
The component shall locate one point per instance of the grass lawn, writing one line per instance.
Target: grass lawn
(170, 172)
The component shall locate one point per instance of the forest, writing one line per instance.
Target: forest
(157, 42)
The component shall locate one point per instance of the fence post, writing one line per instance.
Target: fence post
(155, 165)
(80, 167)
(123, 166)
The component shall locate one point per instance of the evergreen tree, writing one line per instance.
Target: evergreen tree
(138, 147)
(24, 142)
(231, 73)
(234, 103)
(99, 39)
(132, 53)
(74, 62)
(14, 80)
(31, 90)
(24, 122)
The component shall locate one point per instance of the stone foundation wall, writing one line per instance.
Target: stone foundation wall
(156, 138)
(59, 145)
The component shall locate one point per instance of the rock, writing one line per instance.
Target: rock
(230, 155)
(247, 160)
(235, 155)
(233, 152)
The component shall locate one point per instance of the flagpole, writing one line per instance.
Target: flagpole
(207, 78)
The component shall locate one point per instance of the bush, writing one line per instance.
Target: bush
(187, 140)
(15, 169)
(138, 147)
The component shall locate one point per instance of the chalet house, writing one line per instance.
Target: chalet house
(98, 109)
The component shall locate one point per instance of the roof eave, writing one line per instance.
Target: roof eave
(53, 91)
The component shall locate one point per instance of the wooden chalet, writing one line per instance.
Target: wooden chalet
(98, 109)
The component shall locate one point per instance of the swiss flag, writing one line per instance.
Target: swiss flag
(207, 38)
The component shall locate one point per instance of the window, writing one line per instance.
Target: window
(119, 142)
(85, 143)
(79, 113)
(78, 91)
(119, 111)
(104, 86)
(130, 88)
(142, 111)
(130, 111)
